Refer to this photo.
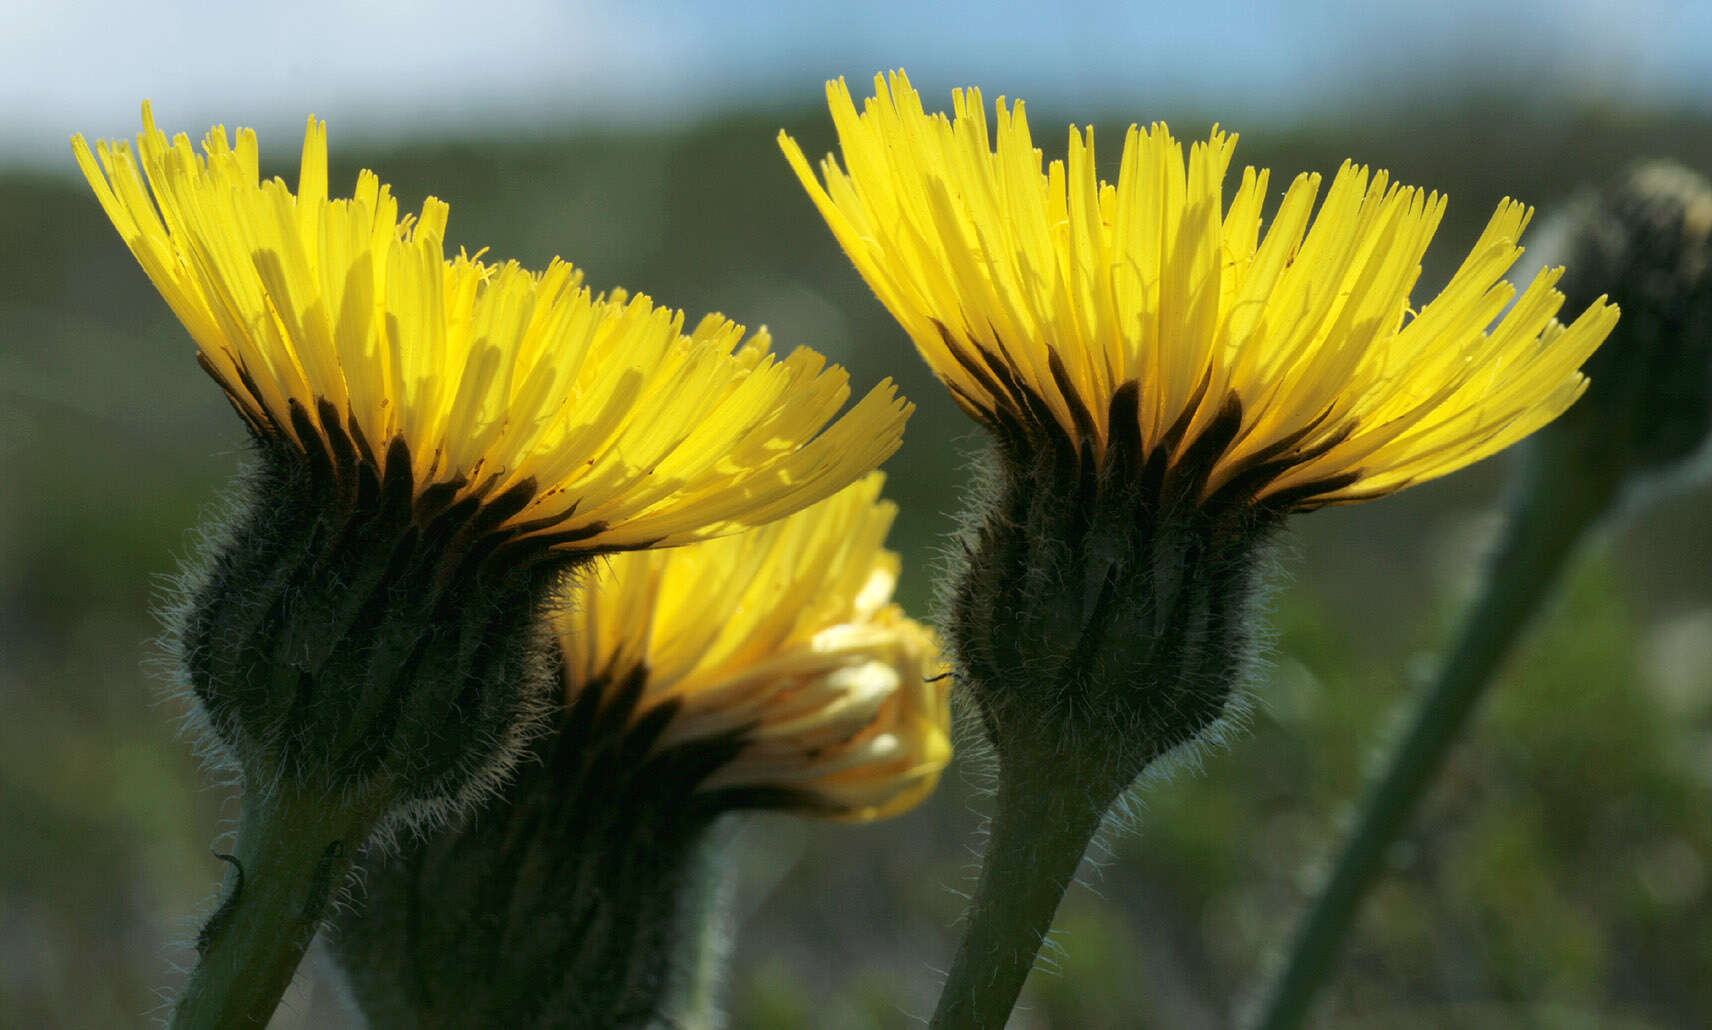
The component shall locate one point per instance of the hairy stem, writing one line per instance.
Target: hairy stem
(707, 936)
(1046, 812)
(294, 850)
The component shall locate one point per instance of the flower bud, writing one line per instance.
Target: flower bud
(1648, 244)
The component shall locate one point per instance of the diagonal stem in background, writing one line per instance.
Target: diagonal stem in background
(1560, 500)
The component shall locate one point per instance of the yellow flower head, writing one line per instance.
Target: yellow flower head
(1288, 368)
(783, 640)
(590, 423)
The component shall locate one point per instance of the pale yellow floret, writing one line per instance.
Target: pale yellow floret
(785, 634)
(634, 432)
(1160, 280)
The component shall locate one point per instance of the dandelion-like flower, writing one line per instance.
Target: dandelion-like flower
(1284, 367)
(764, 670)
(1164, 382)
(440, 440)
(577, 422)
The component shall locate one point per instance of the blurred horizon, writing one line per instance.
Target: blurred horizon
(388, 72)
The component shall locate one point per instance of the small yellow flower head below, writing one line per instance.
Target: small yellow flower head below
(440, 441)
(764, 670)
(778, 649)
(1284, 366)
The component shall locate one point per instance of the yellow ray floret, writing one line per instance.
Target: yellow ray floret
(330, 317)
(1037, 291)
(784, 636)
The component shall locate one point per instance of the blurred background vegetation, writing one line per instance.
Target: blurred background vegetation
(1561, 874)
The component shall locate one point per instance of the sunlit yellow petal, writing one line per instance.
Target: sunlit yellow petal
(1292, 357)
(785, 637)
(329, 320)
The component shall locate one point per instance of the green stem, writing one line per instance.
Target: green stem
(1560, 500)
(294, 850)
(708, 904)
(1044, 816)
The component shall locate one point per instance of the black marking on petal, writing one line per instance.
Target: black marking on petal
(1255, 475)
(487, 531)
(1293, 498)
(343, 451)
(1358, 496)
(1080, 417)
(1029, 402)
(214, 374)
(367, 492)
(1017, 412)
(582, 703)
(1334, 494)
(397, 483)
(980, 373)
(645, 732)
(497, 510)
(571, 536)
(1152, 467)
(1123, 420)
(360, 441)
(443, 529)
(1286, 442)
(1264, 465)
(521, 550)
(258, 427)
(1179, 428)
(321, 473)
(435, 497)
(252, 389)
(531, 527)
(1203, 453)
(969, 403)
(619, 699)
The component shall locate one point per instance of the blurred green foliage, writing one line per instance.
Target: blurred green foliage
(1559, 875)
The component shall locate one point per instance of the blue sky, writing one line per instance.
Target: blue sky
(393, 68)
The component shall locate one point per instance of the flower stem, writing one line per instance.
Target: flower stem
(1044, 816)
(294, 850)
(1559, 501)
(706, 936)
